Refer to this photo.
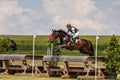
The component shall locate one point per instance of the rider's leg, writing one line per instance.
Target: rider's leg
(73, 40)
(75, 37)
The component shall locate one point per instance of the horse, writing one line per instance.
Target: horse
(83, 45)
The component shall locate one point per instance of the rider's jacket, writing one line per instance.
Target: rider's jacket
(72, 31)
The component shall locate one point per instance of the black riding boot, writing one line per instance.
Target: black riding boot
(73, 41)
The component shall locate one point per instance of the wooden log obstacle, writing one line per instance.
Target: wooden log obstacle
(82, 69)
(10, 67)
(66, 71)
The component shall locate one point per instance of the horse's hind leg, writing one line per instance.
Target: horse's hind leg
(89, 52)
(86, 51)
(81, 51)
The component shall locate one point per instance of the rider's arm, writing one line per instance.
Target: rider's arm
(73, 30)
(69, 32)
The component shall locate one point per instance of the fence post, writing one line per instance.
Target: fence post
(97, 37)
(33, 62)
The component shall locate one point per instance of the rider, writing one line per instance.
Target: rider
(73, 31)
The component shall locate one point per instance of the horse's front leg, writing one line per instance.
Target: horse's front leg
(60, 46)
(57, 51)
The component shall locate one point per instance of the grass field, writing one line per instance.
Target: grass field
(12, 77)
(24, 43)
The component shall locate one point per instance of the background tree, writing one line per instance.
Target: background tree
(112, 59)
(5, 46)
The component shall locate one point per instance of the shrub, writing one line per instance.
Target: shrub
(5, 46)
(112, 59)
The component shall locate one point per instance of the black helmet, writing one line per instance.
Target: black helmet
(68, 25)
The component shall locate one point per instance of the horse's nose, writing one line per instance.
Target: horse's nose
(51, 41)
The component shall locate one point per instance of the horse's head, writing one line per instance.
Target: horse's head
(54, 35)
(57, 33)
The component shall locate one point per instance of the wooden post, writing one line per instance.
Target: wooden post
(46, 68)
(66, 69)
(6, 63)
(86, 68)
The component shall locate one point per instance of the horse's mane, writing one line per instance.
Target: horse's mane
(62, 31)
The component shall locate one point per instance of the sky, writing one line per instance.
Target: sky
(91, 17)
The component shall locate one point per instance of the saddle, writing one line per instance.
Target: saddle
(76, 40)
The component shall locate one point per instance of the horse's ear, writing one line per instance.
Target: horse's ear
(54, 30)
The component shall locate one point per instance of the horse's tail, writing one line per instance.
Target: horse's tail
(92, 50)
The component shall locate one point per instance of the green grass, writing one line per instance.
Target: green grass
(13, 77)
(25, 44)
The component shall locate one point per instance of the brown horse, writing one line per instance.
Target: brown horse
(84, 46)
